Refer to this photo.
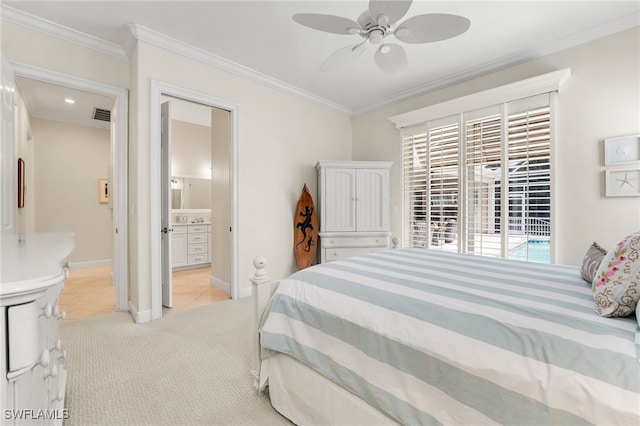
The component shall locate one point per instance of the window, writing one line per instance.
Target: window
(480, 181)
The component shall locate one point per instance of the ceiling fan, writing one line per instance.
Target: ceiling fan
(379, 22)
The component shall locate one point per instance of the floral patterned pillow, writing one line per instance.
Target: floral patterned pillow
(616, 285)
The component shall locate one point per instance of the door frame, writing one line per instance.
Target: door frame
(158, 89)
(121, 160)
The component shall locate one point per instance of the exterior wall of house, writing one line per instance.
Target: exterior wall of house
(600, 100)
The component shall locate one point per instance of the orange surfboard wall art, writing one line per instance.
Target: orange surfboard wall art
(305, 230)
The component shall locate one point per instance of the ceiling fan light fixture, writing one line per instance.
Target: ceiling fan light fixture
(382, 20)
(375, 37)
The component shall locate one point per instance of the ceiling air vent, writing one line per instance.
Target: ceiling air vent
(102, 114)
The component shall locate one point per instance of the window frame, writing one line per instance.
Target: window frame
(414, 122)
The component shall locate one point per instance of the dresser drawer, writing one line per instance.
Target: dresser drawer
(197, 228)
(195, 259)
(381, 241)
(331, 254)
(197, 238)
(197, 249)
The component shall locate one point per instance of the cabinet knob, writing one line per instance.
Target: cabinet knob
(58, 397)
(51, 372)
(46, 311)
(62, 316)
(45, 358)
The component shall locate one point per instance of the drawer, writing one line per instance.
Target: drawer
(197, 249)
(195, 259)
(179, 229)
(344, 253)
(381, 241)
(197, 228)
(197, 238)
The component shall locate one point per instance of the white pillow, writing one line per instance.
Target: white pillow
(616, 285)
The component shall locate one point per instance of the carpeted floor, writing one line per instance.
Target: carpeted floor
(189, 368)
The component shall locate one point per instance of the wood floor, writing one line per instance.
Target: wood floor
(89, 292)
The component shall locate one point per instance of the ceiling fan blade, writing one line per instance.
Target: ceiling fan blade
(391, 58)
(393, 10)
(431, 27)
(328, 23)
(342, 56)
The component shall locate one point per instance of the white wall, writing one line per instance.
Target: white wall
(68, 161)
(281, 137)
(600, 100)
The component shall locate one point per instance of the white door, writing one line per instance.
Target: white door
(165, 207)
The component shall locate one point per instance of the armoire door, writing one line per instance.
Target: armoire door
(372, 199)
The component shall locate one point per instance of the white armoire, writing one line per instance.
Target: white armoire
(353, 199)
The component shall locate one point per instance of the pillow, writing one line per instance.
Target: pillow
(591, 261)
(616, 286)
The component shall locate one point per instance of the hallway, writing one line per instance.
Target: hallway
(88, 292)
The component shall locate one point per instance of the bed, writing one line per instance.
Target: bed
(419, 336)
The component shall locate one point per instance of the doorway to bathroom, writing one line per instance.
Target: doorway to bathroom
(197, 202)
(193, 185)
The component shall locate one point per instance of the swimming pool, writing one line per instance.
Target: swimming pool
(533, 251)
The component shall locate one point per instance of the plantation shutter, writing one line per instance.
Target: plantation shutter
(414, 186)
(480, 182)
(483, 155)
(529, 184)
(443, 186)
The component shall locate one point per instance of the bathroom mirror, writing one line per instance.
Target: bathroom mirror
(189, 193)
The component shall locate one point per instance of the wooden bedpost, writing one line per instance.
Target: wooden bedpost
(261, 293)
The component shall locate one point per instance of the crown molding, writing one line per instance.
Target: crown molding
(141, 33)
(60, 31)
(138, 32)
(594, 33)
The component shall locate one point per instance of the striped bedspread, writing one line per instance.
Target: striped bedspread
(430, 337)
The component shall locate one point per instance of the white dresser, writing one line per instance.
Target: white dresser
(32, 276)
(190, 245)
(353, 198)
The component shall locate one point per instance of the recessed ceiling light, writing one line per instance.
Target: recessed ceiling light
(70, 101)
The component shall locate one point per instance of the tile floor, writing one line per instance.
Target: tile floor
(89, 292)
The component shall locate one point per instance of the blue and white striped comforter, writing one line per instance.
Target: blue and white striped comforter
(437, 338)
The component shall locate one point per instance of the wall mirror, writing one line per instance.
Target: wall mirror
(188, 193)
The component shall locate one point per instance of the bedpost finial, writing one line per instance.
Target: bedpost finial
(259, 274)
(260, 262)
(396, 242)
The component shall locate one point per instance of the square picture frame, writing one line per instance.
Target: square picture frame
(103, 191)
(622, 182)
(622, 150)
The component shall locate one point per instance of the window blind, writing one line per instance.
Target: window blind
(481, 183)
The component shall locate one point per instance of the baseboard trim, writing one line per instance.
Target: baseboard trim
(245, 292)
(222, 285)
(89, 264)
(139, 317)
